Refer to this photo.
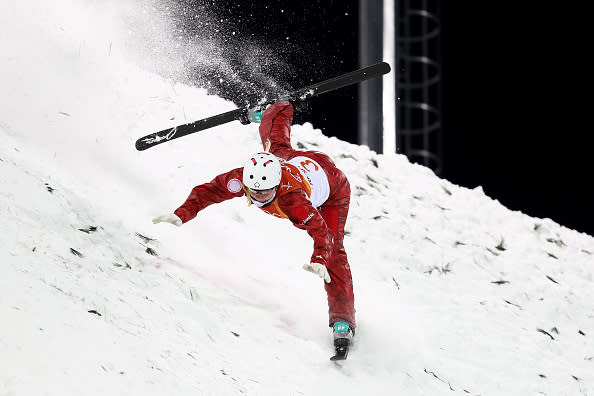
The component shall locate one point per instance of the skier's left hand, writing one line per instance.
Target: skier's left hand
(168, 218)
(318, 269)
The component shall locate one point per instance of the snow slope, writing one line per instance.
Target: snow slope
(455, 293)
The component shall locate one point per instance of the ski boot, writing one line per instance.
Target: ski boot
(343, 334)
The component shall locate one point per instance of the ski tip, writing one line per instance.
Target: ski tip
(140, 146)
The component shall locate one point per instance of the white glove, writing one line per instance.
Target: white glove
(318, 269)
(168, 218)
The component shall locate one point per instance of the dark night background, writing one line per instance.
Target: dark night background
(515, 90)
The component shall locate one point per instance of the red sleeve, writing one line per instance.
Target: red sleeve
(221, 188)
(304, 216)
(276, 126)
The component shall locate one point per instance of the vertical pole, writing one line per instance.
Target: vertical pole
(370, 92)
(389, 80)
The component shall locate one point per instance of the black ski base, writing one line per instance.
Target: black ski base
(341, 346)
(300, 95)
(341, 353)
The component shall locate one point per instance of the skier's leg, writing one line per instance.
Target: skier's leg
(340, 289)
(275, 128)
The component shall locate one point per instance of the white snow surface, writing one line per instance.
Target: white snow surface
(455, 294)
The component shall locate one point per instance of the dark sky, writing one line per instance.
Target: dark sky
(516, 91)
(515, 107)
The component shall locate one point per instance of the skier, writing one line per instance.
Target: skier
(304, 186)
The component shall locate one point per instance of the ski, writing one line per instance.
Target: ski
(302, 94)
(341, 349)
(341, 354)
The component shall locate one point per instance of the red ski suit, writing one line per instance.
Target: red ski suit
(325, 224)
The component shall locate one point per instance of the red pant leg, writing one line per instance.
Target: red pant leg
(341, 301)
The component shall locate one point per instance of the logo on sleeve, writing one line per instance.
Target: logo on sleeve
(234, 186)
(302, 215)
(307, 219)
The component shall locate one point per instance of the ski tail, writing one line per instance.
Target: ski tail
(345, 80)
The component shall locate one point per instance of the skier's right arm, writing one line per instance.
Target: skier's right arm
(221, 188)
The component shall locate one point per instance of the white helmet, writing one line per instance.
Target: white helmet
(262, 171)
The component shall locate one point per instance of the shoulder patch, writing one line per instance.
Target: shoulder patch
(234, 186)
